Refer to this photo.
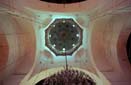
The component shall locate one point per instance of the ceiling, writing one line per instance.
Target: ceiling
(104, 29)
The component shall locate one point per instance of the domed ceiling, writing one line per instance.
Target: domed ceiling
(36, 35)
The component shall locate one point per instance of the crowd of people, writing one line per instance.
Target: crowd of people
(68, 77)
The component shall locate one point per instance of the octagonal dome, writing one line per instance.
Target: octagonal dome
(63, 36)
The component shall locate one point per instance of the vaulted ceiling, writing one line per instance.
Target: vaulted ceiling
(109, 28)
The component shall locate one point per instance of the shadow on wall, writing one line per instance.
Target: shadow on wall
(128, 48)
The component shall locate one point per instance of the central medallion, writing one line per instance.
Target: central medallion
(63, 36)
